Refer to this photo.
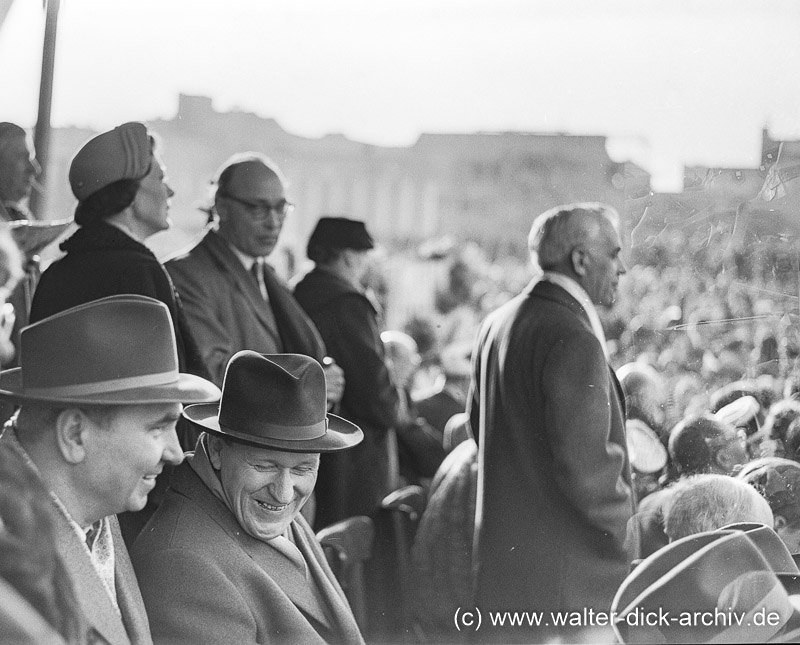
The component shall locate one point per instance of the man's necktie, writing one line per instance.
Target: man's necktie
(258, 272)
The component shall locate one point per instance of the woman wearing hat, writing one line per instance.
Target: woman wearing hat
(123, 198)
(228, 558)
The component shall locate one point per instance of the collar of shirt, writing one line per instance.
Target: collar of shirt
(579, 293)
(247, 260)
(96, 538)
(200, 463)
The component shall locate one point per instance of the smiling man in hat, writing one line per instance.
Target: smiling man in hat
(228, 558)
(99, 393)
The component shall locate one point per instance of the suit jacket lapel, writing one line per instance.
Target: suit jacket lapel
(342, 616)
(299, 334)
(89, 590)
(240, 280)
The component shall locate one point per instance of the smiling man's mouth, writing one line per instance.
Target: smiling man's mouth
(271, 507)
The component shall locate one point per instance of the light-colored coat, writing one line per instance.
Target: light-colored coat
(105, 624)
(204, 580)
(100, 619)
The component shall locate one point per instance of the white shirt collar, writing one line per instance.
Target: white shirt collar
(247, 260)
(579, 293)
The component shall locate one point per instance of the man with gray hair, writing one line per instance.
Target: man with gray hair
(554, 484)
(709, 502)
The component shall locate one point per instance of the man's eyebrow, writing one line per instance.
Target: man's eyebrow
(168, 417)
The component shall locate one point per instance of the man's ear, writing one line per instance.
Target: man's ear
(221, 209)
(72, 426)
(579, 258)
(780, 522)
(215, 447)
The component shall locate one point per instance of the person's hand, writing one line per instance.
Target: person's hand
(334, 381)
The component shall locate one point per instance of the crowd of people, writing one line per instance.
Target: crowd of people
(608, 442)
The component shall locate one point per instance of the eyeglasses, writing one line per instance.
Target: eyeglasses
(281, 208)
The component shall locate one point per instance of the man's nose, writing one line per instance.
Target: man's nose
(173, 453)
(283, 487)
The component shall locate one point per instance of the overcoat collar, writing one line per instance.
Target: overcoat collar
(554, 293)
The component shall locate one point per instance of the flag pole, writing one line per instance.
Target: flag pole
(41, 137)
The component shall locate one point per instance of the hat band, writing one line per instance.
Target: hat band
(282, 433)
(101, 387)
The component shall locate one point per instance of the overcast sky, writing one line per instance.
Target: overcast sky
(696, 78)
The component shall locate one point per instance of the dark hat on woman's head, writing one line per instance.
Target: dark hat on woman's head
(341, 233)
(278, 402)
(121, 153)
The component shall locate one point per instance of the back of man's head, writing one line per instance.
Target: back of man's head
(709, 502)
(698, 445)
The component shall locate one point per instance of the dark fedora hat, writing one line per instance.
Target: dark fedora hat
(118, 350)
(275, 401)
(340, 233)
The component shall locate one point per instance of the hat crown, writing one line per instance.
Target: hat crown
(341, 233)
(106, 345)
(281, 396)
(121, 153)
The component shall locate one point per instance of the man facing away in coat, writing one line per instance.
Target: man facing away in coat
(228, 558)
(554, 485)
(99, 394)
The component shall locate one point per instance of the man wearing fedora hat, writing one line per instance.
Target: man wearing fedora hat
(100, 392)
(228, 558)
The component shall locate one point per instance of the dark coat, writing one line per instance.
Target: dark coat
(554, 495)
(103, 261)
(204, 580)
(438, 408)
(354, 481)
(227, 313)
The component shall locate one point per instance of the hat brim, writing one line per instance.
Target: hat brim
(341, 434)
(188, 389)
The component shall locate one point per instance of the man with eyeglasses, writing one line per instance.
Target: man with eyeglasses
(233, 298)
